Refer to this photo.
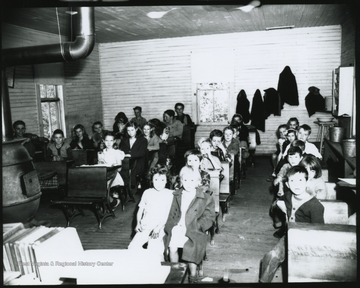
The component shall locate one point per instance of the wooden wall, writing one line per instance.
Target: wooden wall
(347, 43)
(82, 93)
(83, 104)
(156, 74)
(23, 99)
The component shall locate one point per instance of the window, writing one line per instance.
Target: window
(213, 102)
(51, 110)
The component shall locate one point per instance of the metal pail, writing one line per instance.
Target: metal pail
(349, 147)
(336, 133)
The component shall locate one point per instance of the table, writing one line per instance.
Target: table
(339, 166)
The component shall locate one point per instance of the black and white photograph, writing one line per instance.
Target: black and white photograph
(203, 143)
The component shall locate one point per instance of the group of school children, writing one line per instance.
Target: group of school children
(178, 213)
(297, 185)
(169, 219)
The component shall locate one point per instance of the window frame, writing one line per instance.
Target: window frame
(60, 107)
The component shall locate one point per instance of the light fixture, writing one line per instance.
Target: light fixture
(247, 8)
(71, 12)
(158, 14)
(279, 27)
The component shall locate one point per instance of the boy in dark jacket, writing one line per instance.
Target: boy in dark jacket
(298, 206)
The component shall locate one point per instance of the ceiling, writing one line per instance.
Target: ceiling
(130, 23)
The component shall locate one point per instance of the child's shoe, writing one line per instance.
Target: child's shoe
(279, 233)
(115, 203)
(193, 279)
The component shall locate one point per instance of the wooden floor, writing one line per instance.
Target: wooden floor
(245, 236)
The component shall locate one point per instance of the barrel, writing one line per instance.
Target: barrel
(21, 188)
(336, 133)
(349, 147)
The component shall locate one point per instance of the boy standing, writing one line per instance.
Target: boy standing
(298, 206)
(141, 121)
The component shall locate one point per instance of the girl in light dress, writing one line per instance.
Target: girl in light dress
(113, 157)
(152, 214)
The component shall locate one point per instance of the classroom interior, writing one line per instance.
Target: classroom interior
(156, 56)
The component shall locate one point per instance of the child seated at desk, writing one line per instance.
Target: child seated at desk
(303, 135)
(153, 211)
(197, 208)
(193, 159)
(58, 149)
(113, 157)
(230, 142)
(217, 147)
(315, 184)
(298, 206)
(281, 138)
(209, 161)
(294, 157)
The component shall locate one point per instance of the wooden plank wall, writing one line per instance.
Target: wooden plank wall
(23, 99)
(156, 74)
(82, 91)
(347, 43)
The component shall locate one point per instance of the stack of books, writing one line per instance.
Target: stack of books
(55, 255)
(20, 249)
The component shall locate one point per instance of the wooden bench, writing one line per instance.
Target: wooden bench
(215, 190)
(224, 190)
(86, 188)
(336, 212)
(60, 167)
(321, 252)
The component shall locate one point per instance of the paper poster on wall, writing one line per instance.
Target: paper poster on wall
(213, 102)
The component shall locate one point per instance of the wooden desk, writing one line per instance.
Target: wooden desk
(225, 183)
(321, 252)
(215, 187)
(338, 165)
(60, 167)
(341, 183)
(177, 273)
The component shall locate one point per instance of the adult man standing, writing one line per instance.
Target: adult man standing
(141, 121)
(189, 127)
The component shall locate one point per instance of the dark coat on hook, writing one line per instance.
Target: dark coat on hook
(258, 111)
(287, 88)
(243, 106)
(272, 102)
(314, 101)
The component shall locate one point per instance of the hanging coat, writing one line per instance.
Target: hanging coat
(242, 106)
(258, 111)
(287, 88)
(314, 101)
(272, 102)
